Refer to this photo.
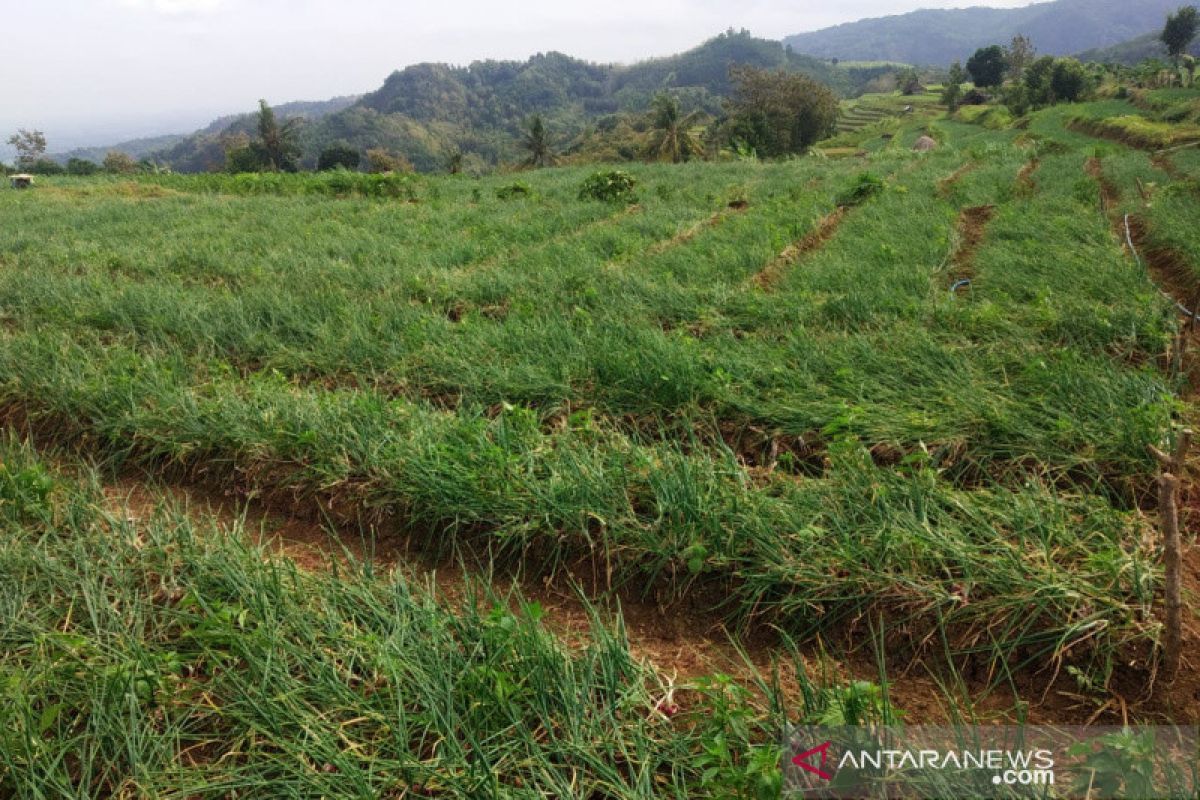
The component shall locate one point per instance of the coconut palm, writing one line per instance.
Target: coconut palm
(537, 143)
(673, 140)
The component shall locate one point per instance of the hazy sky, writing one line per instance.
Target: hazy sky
(97, 70)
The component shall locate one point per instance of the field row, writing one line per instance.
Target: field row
(565, 382)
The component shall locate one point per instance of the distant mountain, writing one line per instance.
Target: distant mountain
(939, 37)
(426, 110)
(1133, 51)
(156, 146)
(137, 148)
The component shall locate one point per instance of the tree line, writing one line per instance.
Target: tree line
(770, 113)
(31, 157)
(1023, 81)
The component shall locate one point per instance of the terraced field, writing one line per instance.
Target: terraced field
(888, 410)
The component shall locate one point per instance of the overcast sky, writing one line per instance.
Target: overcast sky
(93, 71)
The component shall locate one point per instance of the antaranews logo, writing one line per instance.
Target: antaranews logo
(802, 761)
(992, 762)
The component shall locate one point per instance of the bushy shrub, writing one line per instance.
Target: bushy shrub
(81, 166)
(118, 163)
(991, 117)
(44, 166)
(336, 183)
(380, 160)
(338, 156)
(865, 186)
(611, 186)
(514, 190)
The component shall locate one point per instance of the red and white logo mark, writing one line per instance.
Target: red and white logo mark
(801, 761)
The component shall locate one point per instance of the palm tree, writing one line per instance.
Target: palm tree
(280, 146)
(537, 142)
(673, 140)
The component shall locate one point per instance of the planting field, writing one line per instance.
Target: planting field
(897, 403)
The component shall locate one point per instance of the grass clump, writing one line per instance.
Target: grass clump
(167, 657)
(865, 186)
(992, 117)
(611, 186)
(514, 190)
(1137, 131)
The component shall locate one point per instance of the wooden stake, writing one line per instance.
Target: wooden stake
(1168, 508)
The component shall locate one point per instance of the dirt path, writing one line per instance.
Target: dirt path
(1026, 185)
(769, 276)
(972, 226)
(947, 184)
(681, 643)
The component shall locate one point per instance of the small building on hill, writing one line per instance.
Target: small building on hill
(20, 181)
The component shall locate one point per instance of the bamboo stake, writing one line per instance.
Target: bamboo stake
(1168, 507)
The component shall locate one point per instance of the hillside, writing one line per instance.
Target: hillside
(427, 110)
(1133, 51)
(940, 37)
(158, 146)
(137, 148)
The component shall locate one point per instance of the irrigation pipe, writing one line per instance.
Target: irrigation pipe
(959, 284)
(1182, 308)
(1183, 146)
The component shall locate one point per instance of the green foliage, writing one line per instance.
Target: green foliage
(673, 140)
(82, 167)
(1038, 89)
(988, 66)
(993, 118)
(25, 492)
(908, 80)
(30, 146)
(45, 166)
(132, 643)
(778, 113)
(514, 190)
(1018, 55)
(537, 143)
(562, 380)
(118, 163)
(1069, 81)
(331, 184)
(1180, 30)
(952, 92)
(483, 109)
(278, 146)
(339, 156)
(1050, 80)
(1123, 764)
(244, 159)
(865, 186)
(939, 36)
(609, 186)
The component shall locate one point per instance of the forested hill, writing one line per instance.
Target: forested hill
(939, 37)
(1134, 51)
(426, 110)
(159, 146)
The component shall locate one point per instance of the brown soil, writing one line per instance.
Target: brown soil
(681, 643)
(493, 261)
(947, 184)
(1140, 689)
(1168, 267)
(769, 276)
(1110, 198)
(686, 235)
(1163, 163)
(685, 641)
(972, 226)
(1026, 185)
